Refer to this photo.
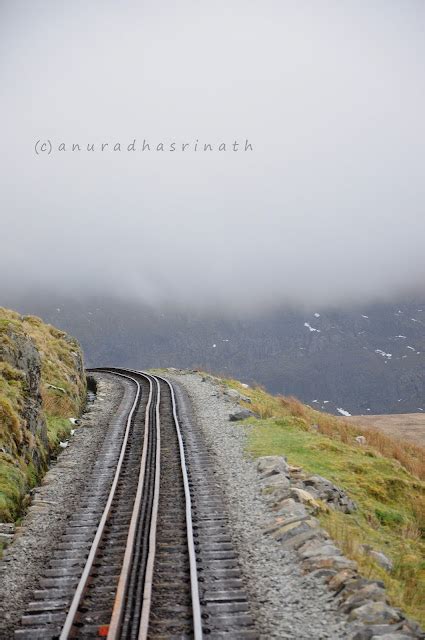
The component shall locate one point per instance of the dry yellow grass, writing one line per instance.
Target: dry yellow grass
(410, 456)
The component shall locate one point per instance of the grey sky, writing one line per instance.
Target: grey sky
(328, 208)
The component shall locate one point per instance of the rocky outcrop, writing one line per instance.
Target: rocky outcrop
(19, 351)
(42, 385)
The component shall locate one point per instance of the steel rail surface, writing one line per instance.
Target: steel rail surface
(120, 601)
(79, 592)
(196, 605)
(147, 592)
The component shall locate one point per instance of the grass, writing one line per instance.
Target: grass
(23, 454)
(385, 478)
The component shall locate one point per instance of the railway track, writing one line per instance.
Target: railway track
(148, 553)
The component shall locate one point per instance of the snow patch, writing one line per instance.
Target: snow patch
(306, 324)
(383, 354)
(317, 315)
(367, 317)
(343, 412)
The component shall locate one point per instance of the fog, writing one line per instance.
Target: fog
(326, 208)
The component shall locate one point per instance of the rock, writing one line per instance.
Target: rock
(373, 631)
(356, 584)
(235, 395)
(299, 540)
(280, 522)
(232, 393)
(379, 557)
(272, 465)
(412, 627)
(277, 490)
(301, 495)
(242, 414)
(292, 529)
(328, 562)
(370, 593)
(392, 636)
(340, 579)
(290, 508)
(323, 573)
(375, 613)
(320, 550)
(21, 353)
(333, 495)
(360, 440)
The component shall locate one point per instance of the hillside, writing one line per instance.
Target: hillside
(42, 385)
(384, 477)
(368, 359)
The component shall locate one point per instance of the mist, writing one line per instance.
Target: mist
(325, 207)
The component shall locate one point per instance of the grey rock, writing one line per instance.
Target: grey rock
(321, 550)
(272, 465)
(277, 489)
(392, 636)
(241, 414)
(378, 556)
(290, 508)
(235, 395)
(370, 593)
(298, 541)
(375, 613)
(368, 632)
(333, 495)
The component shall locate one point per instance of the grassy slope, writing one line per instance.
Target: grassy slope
(60, 359)
(385, 478)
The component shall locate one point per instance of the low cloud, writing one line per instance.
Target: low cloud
(327, 208)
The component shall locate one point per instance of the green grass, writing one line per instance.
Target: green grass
(390, 499)
(23, 455)
(387, 497)
(16, 477)
(57, 429)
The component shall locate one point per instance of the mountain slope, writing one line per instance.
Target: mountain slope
(356, 360)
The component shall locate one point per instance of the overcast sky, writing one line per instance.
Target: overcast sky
(328, 207)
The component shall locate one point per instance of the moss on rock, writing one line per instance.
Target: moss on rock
(42, 384)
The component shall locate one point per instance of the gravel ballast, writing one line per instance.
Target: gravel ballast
(52, 503)
(286, 603)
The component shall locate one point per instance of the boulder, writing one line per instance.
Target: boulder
(375, 613)
(272, 465)
(242, 414)
(301, 495)
(328, 492)
(379, 557)
(235, 395)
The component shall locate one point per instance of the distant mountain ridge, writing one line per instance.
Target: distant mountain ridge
(357, 361)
